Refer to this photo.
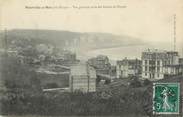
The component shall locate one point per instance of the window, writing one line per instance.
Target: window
(158, 69)
(152, 62)
(152, 69)
(145, 62)
(165, 63)
(158, 62)
(145, 74)
(157, 75)
(145, 68)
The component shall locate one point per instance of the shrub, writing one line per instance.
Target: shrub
(135, 83)
(51, 85)
(107, 81)
(146, 82)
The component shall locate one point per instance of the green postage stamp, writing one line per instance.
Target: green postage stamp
(166, 98)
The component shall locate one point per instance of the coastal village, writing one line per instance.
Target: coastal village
(62, 70)
(153, 65)
(59, 71)
(65, 72)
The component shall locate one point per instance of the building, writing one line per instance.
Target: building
(113, 71)
(66, 58)
(181, 65)
(152, 64)
(157, 64)
(101, 64)
(171, 70)
(128, 67)
(68, 55)
(171, 63)
(82, 78)
(181, 61)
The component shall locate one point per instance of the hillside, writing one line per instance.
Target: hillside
(72, 40)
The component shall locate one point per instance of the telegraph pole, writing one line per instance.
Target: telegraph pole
(174, 32)
(3, 60)
(5, 40)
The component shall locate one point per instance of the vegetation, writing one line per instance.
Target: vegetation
(21, 91)
(51, 85)
(135, 83)
(107, 81)
(98, 80)
(72, 104)
(147, 82)
(23, 95)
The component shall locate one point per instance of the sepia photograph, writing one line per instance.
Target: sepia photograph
(108, 58)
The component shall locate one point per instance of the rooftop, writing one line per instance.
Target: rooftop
(154, 51)
(130, 61)
(160, 51)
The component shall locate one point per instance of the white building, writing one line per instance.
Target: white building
(171, 63)
(82, 78)
(128, 67)
(181, 65)
(156, 64)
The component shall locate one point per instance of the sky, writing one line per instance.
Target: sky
(149, 20)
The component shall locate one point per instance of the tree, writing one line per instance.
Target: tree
(51, 85)
(146, 82)
(98, 80)
(107, 81)
(135, 83)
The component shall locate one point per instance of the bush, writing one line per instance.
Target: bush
(51, 85)
(135, 83)
(146, 82)
(107, 81)
(98, 80)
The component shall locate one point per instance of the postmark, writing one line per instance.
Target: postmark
(166, 98)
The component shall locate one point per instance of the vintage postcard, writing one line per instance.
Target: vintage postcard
(91, 58)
